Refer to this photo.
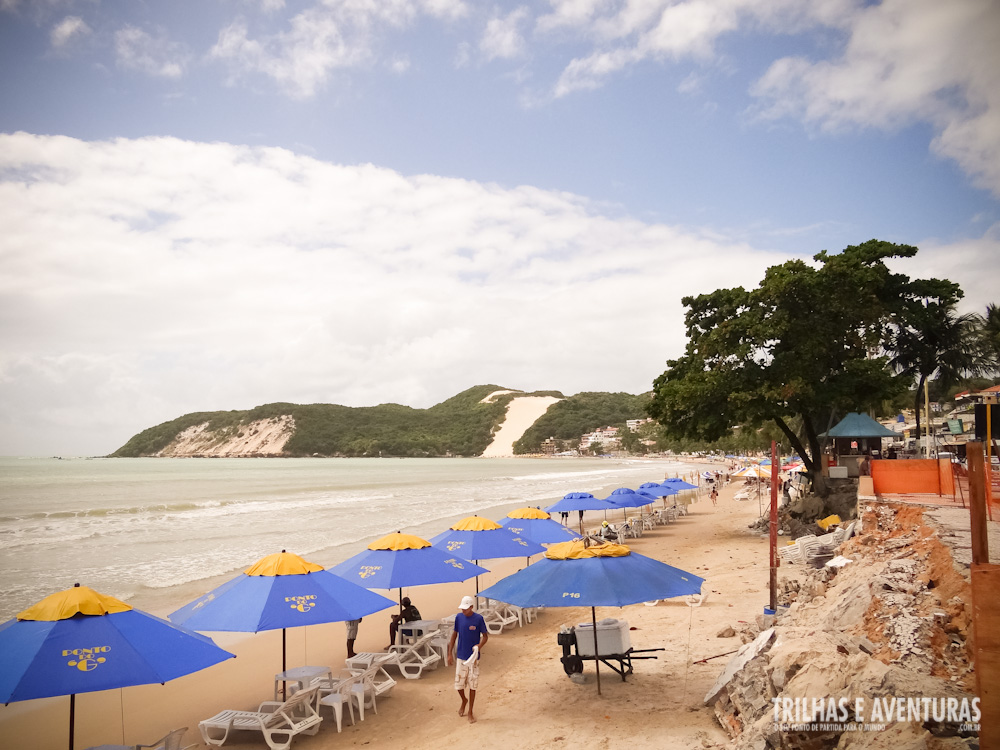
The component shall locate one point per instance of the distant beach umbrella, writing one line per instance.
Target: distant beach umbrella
(678, 484)
(580, 501)
(753, 470)
(625, 497)
(279, 591)
(660, 490)
(538, 526)
(476, 538)
(399, 560)
(574, 574)
(81, 641)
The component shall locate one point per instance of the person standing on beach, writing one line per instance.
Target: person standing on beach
(471, 635)
(352, 635)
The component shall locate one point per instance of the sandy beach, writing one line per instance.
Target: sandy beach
(525, 699)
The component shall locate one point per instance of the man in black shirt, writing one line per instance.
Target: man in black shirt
(408, 613)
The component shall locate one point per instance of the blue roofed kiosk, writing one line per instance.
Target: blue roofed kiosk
(856, 436)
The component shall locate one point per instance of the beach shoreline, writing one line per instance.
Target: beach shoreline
(521, 671)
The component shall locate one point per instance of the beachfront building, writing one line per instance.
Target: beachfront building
(607, 437)
(633, 425)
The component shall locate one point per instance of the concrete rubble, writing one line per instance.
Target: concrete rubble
(893, 623)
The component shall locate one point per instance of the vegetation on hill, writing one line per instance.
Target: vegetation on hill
(570, 418)
(459, 426)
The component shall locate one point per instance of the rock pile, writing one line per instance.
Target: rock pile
(890, 625)
(799, 517)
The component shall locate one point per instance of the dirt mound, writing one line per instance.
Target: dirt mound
(892, 625)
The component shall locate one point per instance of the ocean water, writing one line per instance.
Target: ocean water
(158, 532)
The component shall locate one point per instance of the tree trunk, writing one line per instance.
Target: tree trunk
(819, 485)
(812, 458)
(916, 407)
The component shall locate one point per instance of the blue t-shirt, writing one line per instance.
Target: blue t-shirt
(470, 630)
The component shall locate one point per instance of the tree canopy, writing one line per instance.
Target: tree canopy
(809, 344)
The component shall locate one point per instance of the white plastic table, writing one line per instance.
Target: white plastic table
(302, 676)
(416, 628)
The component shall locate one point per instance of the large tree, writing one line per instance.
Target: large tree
(803, 348)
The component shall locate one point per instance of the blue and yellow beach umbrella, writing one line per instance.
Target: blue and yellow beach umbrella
(81, 641)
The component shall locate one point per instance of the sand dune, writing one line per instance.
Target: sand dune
(521, 414)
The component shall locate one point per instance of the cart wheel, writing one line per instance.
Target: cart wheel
(572, 664)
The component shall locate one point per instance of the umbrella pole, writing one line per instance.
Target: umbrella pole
(284, 666)
(597, 656)
(72, 717)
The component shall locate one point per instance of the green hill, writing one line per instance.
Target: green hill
(567, 420)
(459, 426)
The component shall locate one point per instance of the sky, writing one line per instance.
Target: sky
(218, 204)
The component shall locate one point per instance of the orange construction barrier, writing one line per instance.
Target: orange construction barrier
(913, 476)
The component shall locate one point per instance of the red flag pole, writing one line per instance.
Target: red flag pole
(773, 526)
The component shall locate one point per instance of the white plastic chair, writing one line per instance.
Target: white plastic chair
(170, 741)
(410, 659)
(363, 692)
(278, 722)
(337, 692)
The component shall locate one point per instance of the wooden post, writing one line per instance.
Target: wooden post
(977, 503)
(985, 605)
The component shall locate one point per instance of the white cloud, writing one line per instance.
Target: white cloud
(328, 36)
(502, 37)
(906, 61)
(625, 34)
(65, 30)
(144, 279)
(901, 62)
(399, 64)
(148, 278)
(136, 49)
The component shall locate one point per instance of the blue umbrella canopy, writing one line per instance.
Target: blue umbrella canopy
(678, 484)
(572, 574)
(538, 526)
(659, 490)
(280, 591)
(580, 501)
(399, 560)
(624, 497)
(81, 641)
(476, 538)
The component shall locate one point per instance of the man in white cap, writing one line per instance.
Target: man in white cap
(471, 635)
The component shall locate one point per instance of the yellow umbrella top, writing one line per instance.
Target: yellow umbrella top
(576, 550)
(528, 513)
(77, 600)
(398, 541)
(282, 564)
(476, 523)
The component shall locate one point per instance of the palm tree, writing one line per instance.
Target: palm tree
(991, 336)
(937, 344)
